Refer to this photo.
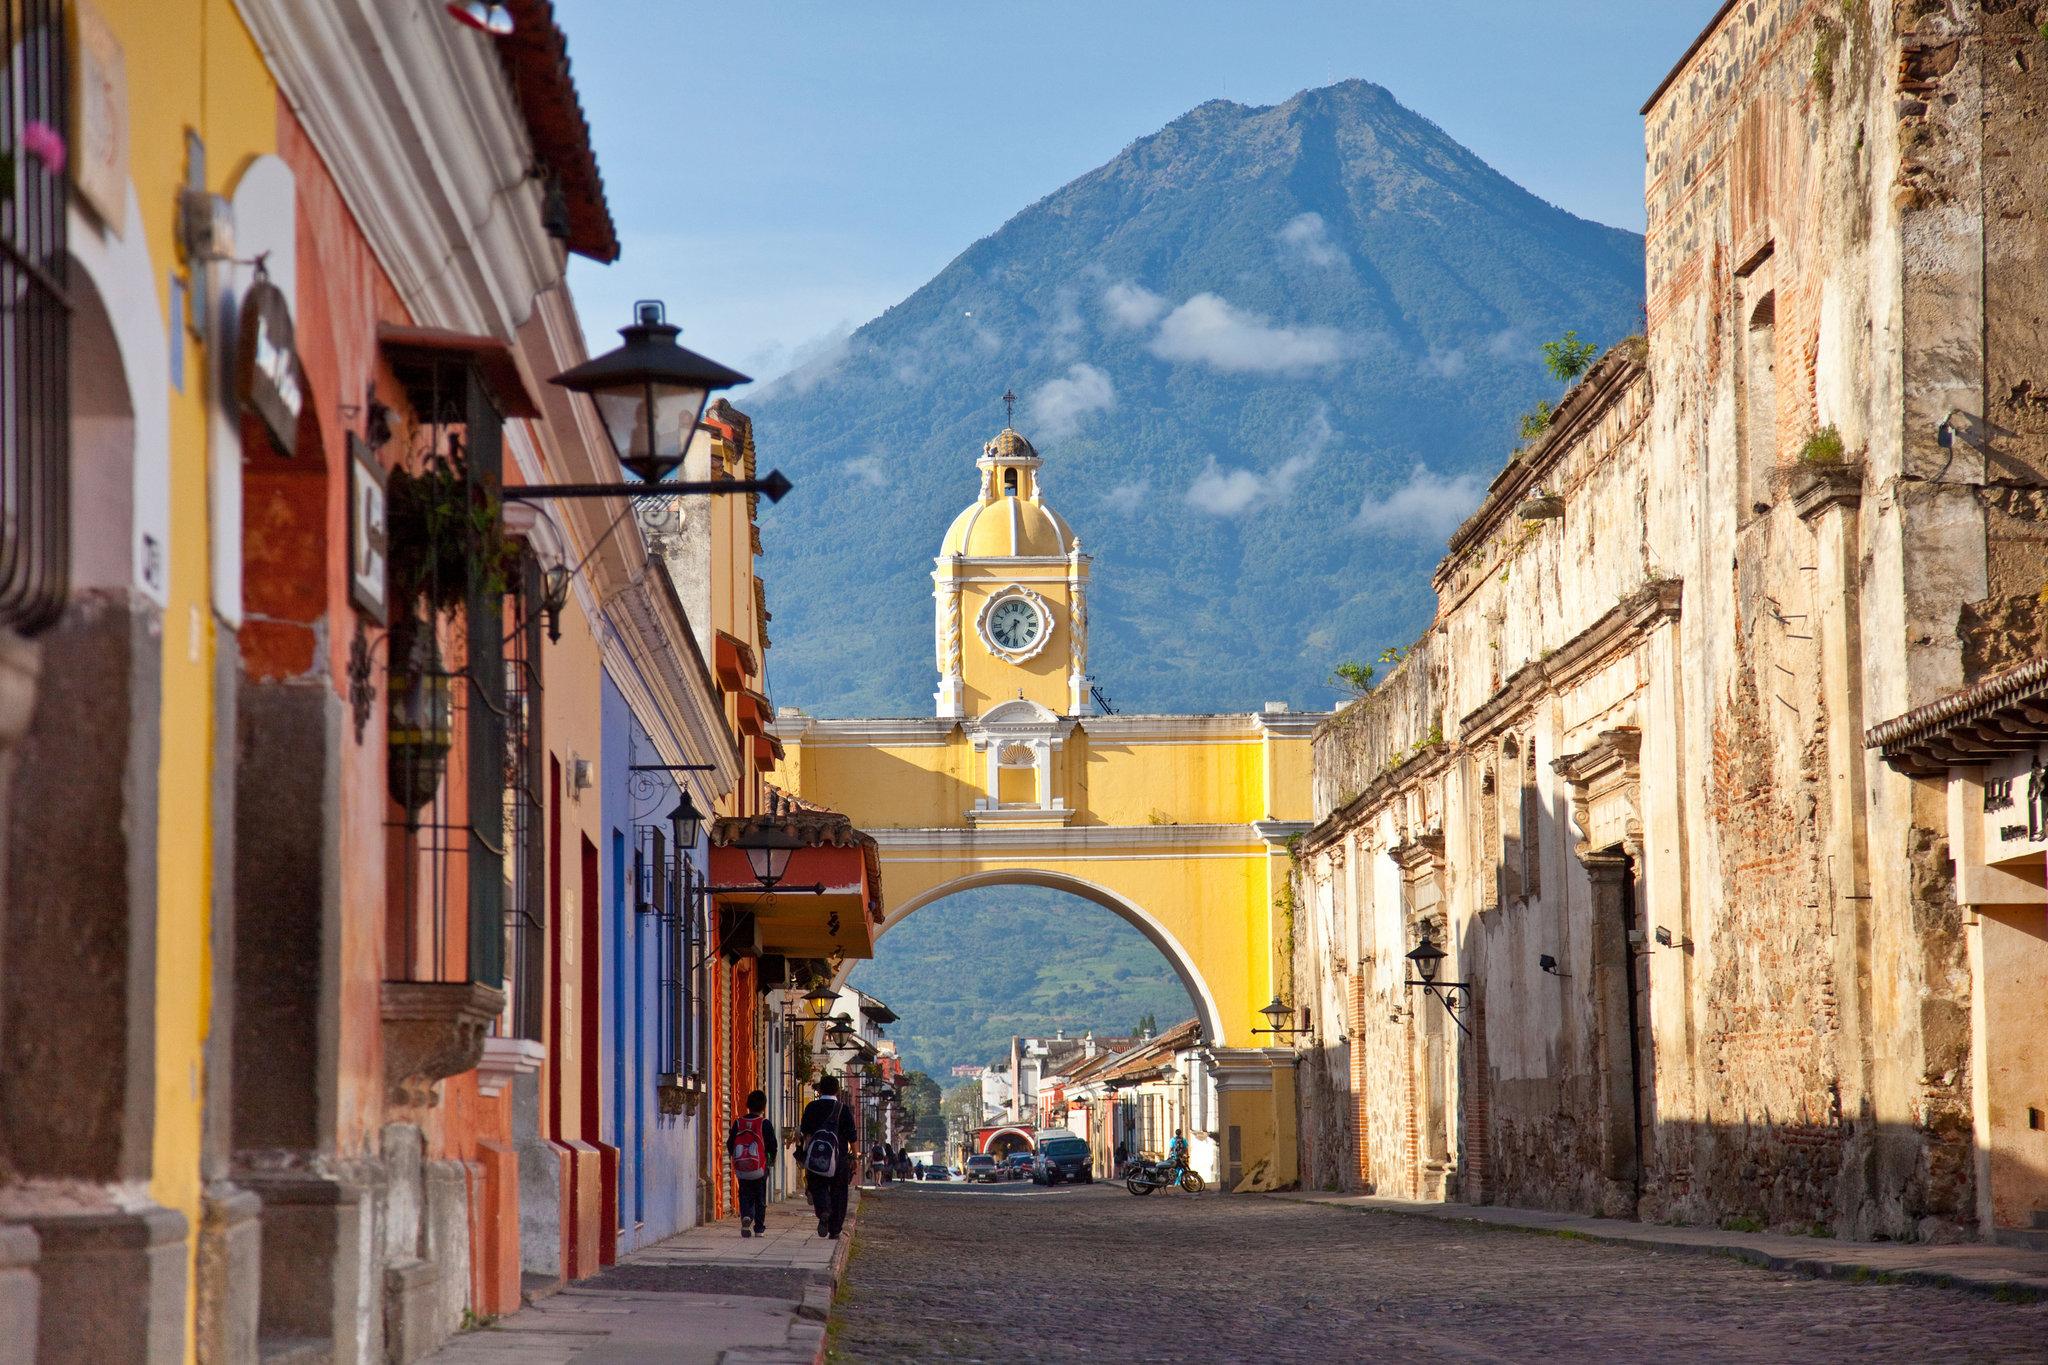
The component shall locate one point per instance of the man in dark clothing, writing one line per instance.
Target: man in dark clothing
(750, 1144)
(829, 1114)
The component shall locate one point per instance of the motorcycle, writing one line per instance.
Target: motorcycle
(1141, 1177)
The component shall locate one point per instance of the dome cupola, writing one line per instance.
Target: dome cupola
(1008, 519)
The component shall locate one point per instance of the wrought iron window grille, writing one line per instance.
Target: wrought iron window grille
(35, 325)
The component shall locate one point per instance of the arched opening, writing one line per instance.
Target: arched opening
(1036, 1001)
(1006, 1142)
(78, 998)
(1202, 1000)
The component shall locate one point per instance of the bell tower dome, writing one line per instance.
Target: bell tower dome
(1011, 590)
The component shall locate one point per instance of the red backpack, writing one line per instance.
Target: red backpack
(749, 1149)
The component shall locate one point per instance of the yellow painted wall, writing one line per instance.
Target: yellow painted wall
(191, 65)
(993, 678)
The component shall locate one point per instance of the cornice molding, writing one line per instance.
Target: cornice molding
(1618, 630)
(414, 118)
(970, 843)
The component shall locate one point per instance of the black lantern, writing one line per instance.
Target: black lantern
(819, 1000)
(768, 852)
(554, 595)
(421, 724)
(650, 392)
(685, 823)
(1428, 958)
(1279, 1018)
(839, 1037)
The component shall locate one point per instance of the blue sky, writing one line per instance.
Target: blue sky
(783, 170)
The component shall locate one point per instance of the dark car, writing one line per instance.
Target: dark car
(984, 1168)
(1064, 1159)
(1021, 1166)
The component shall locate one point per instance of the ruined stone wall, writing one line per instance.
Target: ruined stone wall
(1812, 494)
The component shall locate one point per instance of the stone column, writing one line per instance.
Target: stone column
(951, 698)
(1613, 1056)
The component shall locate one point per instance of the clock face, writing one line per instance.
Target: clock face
(1014, 625)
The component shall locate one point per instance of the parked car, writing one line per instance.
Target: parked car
(1021, 1166)
(1064, 1158)
(985, 1169)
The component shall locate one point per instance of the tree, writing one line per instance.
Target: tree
(1146, 1026)
(1568, 357)
(1353, 677)
(921, 1102)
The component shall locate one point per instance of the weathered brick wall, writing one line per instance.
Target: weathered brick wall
(1845, 237)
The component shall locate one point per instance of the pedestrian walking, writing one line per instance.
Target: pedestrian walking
(830, 1137)
(748, 1143)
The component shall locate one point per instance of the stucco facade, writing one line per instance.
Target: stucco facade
(1715, 967)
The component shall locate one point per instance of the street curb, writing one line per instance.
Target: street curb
(2007, 1286)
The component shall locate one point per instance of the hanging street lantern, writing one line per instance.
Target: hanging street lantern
(421, 725)
(1428, 960)
(650, 392)
(1280, 1020)
(685, 823)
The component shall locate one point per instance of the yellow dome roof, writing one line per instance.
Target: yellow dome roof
(1008, 526)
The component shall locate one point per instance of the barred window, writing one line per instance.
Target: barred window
(35, 324)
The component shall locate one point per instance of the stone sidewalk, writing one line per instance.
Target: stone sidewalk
(702, 1297)
(2010, 1272)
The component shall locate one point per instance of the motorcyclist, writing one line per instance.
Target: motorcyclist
(1177, 1153)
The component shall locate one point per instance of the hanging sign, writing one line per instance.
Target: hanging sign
(366, 531)
(267, 364)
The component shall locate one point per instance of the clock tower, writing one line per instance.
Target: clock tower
(1012, 589)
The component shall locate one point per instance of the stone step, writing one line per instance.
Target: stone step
(295, 1351)
(2033, 1238)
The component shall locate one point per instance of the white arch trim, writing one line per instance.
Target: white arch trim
(1129, 911)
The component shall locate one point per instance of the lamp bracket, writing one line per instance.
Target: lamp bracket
(672, 768)
(772, 487)
(1446, 993)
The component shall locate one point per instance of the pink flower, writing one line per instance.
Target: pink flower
(45, 144)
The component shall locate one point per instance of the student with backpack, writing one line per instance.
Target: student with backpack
(748, 1143)
(828, 1136)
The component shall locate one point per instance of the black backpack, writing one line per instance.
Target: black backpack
(822, 1153)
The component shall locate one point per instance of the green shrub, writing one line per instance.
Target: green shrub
(1536, 420)
(1823, 447)
(1568, 357)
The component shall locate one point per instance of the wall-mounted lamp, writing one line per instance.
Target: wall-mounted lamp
(1428, 959)
(1280, 1020)
(554, 595)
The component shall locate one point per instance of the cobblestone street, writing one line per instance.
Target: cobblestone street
(1019, 1274)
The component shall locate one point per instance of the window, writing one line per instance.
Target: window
(35, 329)
(1758, 401)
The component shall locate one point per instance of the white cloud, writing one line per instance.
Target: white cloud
(869, 469)
(1443, 364)
(1210, 330)
(1232, 492)
(1427, 504)
(1063, 339)
(1505, 344)
(1132, 307)
(1056, 407)
(1308, 237)
(815, 362)
(1128, 497)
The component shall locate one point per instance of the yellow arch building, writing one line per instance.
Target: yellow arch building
(1177, 823)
